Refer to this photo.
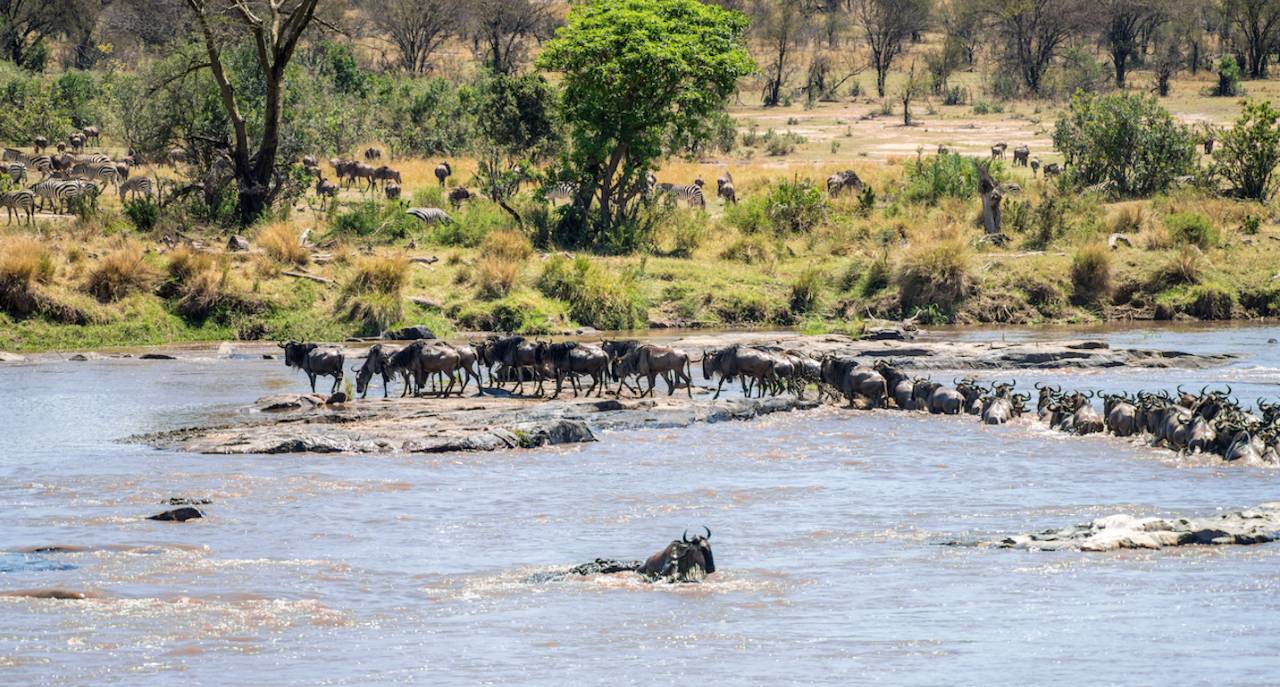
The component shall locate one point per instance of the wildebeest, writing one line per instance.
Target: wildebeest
(1021, 154)
(738, 361)
(855, 381)
(443, 171)
(649, 360)
(938, 399)
(685, 560)
(997, 151)
(326, 191)
(392, 190)
(899, 384)
(571, 358)
(315, 361)
(1120, 415)
(459, 195)
(372, 154)
(386, 175)
(422, 359)
(844, 180)
(376, 362)
(517, 353)
(972, 392)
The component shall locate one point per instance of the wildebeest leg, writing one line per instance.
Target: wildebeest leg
(559, 384)
(718, 387)
(573, 379)
(337, 379)
(653, 381)
(386, 384)
(312, 377)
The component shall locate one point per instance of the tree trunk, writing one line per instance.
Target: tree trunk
(1120, 58)
(991, 210)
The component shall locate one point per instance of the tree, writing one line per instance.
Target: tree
(274, 28)
(1034, 31)
(886, 25)
(914, 87)
(1126, 141)
(515, 129)
(417, 27)
(632, 72)
(501, 29)
(1167, 63)
(1257, 24)
(24, 26)
(962, 22)
(1124, 24)
(1250, 150)
(781, 26)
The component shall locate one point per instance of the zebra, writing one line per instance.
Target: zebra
(564, 190)
(14, 155)
(18, 203)
(691, 194)
(62, 193)
(429, 215)
(41, 163)
(17, 172)
(136, 186)
(105, 172)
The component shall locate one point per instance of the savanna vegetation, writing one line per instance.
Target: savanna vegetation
(1128, 146)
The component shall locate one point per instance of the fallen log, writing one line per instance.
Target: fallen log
(313, 277)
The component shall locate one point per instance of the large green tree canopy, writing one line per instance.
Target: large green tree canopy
(636, 72)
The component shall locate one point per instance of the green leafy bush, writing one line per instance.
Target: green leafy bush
(949, 175)
(374, 218)
(1125, 139)
(596, 297)
(1250, 151)
(143, 213)
(1228, 77)
(1191, 228)
(806, 291)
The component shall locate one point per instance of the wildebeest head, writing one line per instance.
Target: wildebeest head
(295, 352)
(686, 560)
(374, 364)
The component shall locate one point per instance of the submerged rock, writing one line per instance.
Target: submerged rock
(186, 501)
(52, 593)
(289, 402)
(177, 515)
(156, 356)
(1252, 526)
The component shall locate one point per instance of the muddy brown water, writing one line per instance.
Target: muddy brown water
(409, 569)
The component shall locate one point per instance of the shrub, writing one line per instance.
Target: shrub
(1228, 77)
(1091, 273)
(752, 250)
(523, 313)
(1250, 151)
(1251, 225)
(494, 277)
(283, 243)
(184, 263)
(143, 213)
(1126, 139)
(375, 218)
(507, 245)
(780, 145)
(934, 275)
(1212, 302)
(796, 206)
(1191, 228)
(876, 278)
(742, 306)
(1128, 220)
(371, 294)
(212, 293)
(24, 263)
(985, 107)
(950, 175)
(1184, 267)
(806, 291)
(595, 296)
(119, 273)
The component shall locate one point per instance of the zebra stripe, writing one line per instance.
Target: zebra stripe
(691, 194)
(565, 190)
(429, 215)
(18, 203)
(136, 186)
(17, 171)
(105, 172)
(63, 192)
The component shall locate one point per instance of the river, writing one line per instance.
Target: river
(409, 569)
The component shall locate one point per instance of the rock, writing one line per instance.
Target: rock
(178, 515)
(79, 358)
(289, 402)
(340, 397)
(586, 331)
(1271, 341)
(887, 334)
(409, 333)
(1114, 241)
(156, 356)
(268, 356)
(237, 243)
(59, 594)
(6, 357)
(187, 501)
(1121, 531)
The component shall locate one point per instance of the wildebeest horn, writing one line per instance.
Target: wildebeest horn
(1204, 389)
(279, 345)
(1180, 391)
(1013, 384)
(685, 537)
(1228, 390)
(708, 529)
(1037, 386)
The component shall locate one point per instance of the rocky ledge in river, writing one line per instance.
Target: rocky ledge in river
(1258, 525)
(965, 355)
(433, 425)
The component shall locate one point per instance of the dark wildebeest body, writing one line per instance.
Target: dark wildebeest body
(649, 361)
(422, 359)
(572, 358)
(376, 362)
(315, 361)
(686, 560)
(853, 380)
(738, 361)
(518, 354)
(898, 383)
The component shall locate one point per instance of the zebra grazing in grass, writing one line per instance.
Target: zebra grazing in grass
(691, 194)
(429, 215)
(18, 203)
(137, 186)
(63, 193)
(17, 172)
(104, 172)
(564, 190)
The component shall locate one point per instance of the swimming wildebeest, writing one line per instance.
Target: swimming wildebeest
(855, 381)
(937, 398)
(686, 560)
(650, 360)
(572, 358)
(315, 361)
(899, 384)
(377, 362)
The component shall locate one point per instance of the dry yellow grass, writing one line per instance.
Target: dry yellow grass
(282, 241)
(119, 273)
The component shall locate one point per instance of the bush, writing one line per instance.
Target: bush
(1091, 274)
(935, 275)
(502, 257)
(752, 250)
(950, 175)
(1185, 267)
(119, 273)
(1251, 225)
(596, 297)
(371, 295)
(1212, 302)
(282, 242)
(375, 218)
(876, 278)
(1125, 139)
(742, 306)
(806, 291)
(1191, 228)
(522, 313)
(143, 213)
(1250, 151)
(1228, 77)
(779, 145)
(24, 264)
(985, 107)
(211, 293)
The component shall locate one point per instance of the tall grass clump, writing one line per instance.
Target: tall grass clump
(1091, 274)
(1191, 229)
(502, 258)
(373, 218)
(371, 295)
(789, 207)
(119, 273)
(806, 291)
(25, 263)
(596, 296)
(282, 242)
(934, 276)
(949, 175)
